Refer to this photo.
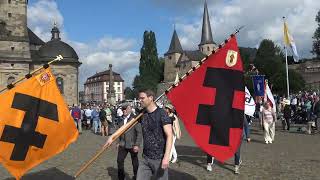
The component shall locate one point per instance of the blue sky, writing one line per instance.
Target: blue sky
(127, 19)
(110, 31)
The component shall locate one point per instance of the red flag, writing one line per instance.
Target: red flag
(211, 100)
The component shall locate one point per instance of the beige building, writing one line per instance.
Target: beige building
(310, 71)
(96, 87)
(22, 51)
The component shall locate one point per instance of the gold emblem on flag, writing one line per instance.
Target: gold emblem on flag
(44, 77)
(232, 57)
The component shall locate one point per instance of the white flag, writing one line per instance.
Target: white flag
(250, 105)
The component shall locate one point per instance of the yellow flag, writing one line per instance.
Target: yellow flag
(287, 36)
(288, 40)
(35, 124)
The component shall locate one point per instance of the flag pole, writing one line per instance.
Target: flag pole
(58, 58)
(133, 122)
(114, 137)
(287, 72)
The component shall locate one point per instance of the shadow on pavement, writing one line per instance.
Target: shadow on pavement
(192, 155)
(173, 174)
(113, 173)
(257, 141)
(49, 174)
(176, 175)
(224, 166)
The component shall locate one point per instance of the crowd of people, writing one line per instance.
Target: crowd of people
(159, 128)
(302, 109)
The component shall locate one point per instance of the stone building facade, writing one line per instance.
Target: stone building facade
(310, 71)
(22, 51)
(96, 87)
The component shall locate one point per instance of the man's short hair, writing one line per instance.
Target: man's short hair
(125, 106)
(148, 92)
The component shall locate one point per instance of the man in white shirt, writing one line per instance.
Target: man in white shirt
(87, 113)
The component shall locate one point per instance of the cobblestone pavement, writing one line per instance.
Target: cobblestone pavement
(293, 155)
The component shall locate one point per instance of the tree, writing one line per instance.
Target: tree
(270, 61)
(161, 61)
(128, 92)
(316, 37)
(149, 66)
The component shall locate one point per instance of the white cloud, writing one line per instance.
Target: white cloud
(110, 43)
(96, 55)
(262, 20)
(42, 15)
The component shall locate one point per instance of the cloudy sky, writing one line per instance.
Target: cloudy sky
(104, 32)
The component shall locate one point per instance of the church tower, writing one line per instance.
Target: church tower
(207, 44)
(13, 30)
(171, 58)
(14, 41)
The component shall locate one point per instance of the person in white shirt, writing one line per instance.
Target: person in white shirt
(87, 113)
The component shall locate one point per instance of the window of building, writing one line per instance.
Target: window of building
(59, 81)
(12, 48)
(169, 57)
(9, 15)
(202, 49)
(11, 80)
(208, 48)
(9, 1)
(118, 89)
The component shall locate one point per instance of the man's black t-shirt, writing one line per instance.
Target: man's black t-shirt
(154, 138)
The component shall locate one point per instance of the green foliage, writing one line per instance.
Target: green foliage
(316, 37)
(128, 92)
(270, 61)
(149, 66)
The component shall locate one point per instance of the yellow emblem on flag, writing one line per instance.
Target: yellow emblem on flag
(35, 124)
(232, 57)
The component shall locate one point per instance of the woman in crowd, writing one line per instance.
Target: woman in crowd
(176, 131)
(268, 119)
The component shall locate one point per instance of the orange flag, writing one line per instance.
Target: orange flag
(35, 124)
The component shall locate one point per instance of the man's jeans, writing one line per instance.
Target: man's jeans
(151, 169)
(78, 124)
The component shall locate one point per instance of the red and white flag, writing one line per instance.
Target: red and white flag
(269, 97)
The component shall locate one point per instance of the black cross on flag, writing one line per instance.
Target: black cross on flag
(35, 124)
(210, 102)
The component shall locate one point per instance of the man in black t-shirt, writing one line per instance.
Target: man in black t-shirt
(157, 139)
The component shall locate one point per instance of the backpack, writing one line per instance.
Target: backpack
(76, 113)
(102, 115)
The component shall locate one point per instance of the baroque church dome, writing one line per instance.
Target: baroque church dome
(57, 47)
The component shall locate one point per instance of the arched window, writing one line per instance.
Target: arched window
(11, 79)
(60, 84)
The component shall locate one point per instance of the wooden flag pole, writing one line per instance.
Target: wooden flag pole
(114, 136)
(133, 122)
(58, 58)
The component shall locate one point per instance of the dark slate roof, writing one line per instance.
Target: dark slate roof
(206, 37)
(56, 47)
(175, 46)
(196, 55)
(192, 56)
(104, 77)
(34, 39)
